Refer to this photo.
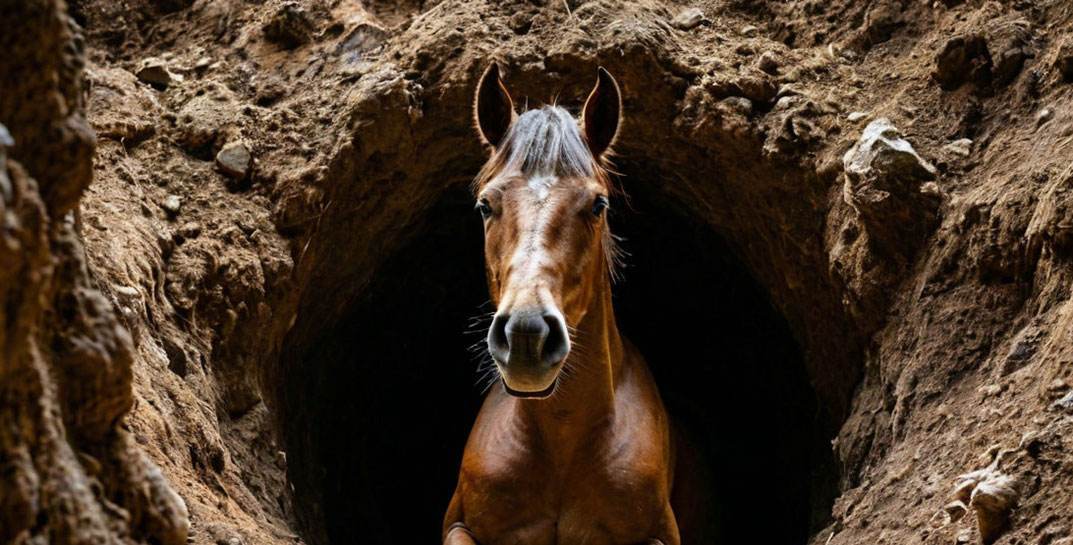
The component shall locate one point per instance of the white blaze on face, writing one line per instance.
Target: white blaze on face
(541, 186)
(532, 255)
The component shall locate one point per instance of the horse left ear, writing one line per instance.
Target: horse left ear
(600, 117)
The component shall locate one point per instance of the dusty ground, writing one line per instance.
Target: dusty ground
(932, 304)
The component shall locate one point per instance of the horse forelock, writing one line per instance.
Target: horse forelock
(544, 142)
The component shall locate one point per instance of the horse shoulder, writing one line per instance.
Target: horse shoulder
(641, 441)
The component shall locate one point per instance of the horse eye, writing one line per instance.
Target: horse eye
(599, 205)
(485, 208)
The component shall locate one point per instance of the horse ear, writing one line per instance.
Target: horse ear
(600, 117)
(493, 108)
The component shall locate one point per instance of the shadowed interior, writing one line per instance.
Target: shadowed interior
(390, 392)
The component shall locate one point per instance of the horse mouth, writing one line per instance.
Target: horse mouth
(541, 394)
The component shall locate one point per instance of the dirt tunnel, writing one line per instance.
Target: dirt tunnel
(389, 393)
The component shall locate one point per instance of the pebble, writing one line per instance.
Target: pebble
(234, 160)
(768, 63)
(126, 294)
(1044, 116)
(155, 72)
(857, 116)
(741, 105)
(749, 30)
(172, 204)
(961, 146)
(688, 19)
(1065, 403)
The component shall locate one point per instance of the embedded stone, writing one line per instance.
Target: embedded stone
(234, 160)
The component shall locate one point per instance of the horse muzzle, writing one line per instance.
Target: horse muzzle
(529, 346)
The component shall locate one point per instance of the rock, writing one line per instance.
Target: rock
(741, 105)
(963, 59)
(1043, 116)
(881, 147)
(201, 119)
(1065, 403)
(749, 30)
(234, 160)
(688, 19)
(991, 494)
(885, 182)
(768, 63)
(961, 146)
(1008, 65)
(171, 205)
(992, 501)
(856, 116)
(367, 37)
(126, 293)
(520, 23)
(1011, 46)
(290, 27)
(1064, 62)
(155, 72)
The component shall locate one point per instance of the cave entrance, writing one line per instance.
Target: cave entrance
(390, 392)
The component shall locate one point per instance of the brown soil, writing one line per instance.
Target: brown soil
(211, 353)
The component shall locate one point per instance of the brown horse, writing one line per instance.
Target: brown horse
(573, 445)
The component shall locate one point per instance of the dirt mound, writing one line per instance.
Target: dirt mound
(277, 191)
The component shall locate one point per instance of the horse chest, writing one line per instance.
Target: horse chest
(526, 500)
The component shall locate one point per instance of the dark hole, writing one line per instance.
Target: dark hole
(387, 396)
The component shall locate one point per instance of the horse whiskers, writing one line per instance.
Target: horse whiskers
(487, 374)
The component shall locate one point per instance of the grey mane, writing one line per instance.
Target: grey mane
(547, 142)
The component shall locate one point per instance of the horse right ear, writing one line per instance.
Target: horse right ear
(493, 108)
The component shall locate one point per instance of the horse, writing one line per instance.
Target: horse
(573, 443)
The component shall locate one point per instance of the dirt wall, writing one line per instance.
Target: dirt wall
(893, 175)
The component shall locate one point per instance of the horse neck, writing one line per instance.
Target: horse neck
(585, 396)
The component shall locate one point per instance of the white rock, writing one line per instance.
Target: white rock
(961, 146)
(1044, 116)
(172, 204)
(881, 147)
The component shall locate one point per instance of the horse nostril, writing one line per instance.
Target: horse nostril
(528, 338)
(556, 345)
(498, 344)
